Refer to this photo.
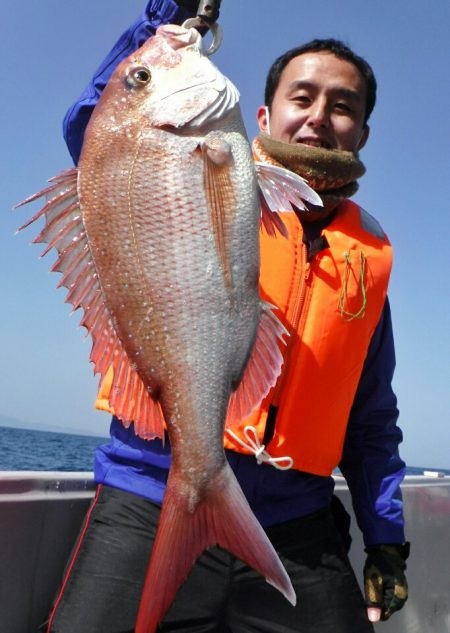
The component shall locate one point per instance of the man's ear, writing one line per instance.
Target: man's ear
(363, 138)
(263, 119)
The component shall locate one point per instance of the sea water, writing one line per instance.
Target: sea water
(23, 449)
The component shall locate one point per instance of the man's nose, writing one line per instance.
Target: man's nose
(318, 115)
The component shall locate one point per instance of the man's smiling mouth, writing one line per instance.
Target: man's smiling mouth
(315, 142)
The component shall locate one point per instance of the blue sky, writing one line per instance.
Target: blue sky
(49, 51)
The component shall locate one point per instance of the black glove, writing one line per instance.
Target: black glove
(189, 5)
(385, 584)
(209, 11)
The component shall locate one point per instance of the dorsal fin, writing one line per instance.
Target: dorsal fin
(64, 230)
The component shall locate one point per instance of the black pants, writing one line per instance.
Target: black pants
(104, 578)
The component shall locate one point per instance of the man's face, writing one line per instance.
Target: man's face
(320, 101)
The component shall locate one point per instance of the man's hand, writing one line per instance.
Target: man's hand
(385, 585)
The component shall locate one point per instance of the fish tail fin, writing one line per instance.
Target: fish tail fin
(222, 517)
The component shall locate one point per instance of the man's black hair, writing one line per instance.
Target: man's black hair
(337, 48)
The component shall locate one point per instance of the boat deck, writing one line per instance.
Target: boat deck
(41, 514)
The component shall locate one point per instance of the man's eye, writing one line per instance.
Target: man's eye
(343, 107)
(303, 99)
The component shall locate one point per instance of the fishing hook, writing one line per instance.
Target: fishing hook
(200, 23)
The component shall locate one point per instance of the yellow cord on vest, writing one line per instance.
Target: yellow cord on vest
(345, 314)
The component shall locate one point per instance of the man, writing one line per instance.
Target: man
(333, 404)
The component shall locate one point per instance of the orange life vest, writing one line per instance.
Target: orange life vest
(331, 307)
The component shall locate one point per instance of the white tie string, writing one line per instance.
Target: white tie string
(262, 456)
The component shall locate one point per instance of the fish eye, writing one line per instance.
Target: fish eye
(138, 76)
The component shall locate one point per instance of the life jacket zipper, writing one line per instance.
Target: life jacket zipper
(296, 317)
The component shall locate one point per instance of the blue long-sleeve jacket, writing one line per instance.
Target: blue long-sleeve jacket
(370, 462)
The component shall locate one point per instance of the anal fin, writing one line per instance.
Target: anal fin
(124, 394)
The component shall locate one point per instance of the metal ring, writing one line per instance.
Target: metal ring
(214, 28)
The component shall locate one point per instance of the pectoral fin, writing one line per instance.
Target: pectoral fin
(279, 190)
(221, 198)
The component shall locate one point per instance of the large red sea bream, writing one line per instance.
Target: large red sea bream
(157, 239)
